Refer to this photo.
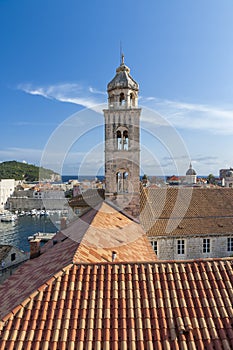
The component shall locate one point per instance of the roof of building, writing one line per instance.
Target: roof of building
(122, 79)
(159, 305)
(92, 238)
(184, 211)
(4, 250)
(91, 197)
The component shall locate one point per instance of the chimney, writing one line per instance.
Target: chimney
(34, 248)
(114, 255)
(63, 223)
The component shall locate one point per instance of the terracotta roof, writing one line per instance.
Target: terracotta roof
(184, 211)
(160, 305)
(90, 197)
(91, 238)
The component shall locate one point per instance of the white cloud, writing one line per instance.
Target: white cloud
(67, 92)
(183, 115)
(214, 119)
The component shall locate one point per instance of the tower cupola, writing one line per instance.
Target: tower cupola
(123, 89)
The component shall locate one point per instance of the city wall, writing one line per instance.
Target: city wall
(25, 204)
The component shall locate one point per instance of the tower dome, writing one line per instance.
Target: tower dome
(191, 171)
(122, 79)
(123, 89)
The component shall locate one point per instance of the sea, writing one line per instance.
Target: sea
(16, 233)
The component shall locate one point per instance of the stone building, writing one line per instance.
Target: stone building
(188, 223)
(122, 148)
(10, 258)
(226, 176)
(6, 190)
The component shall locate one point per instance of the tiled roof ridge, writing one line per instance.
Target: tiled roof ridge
(89, 221)
(157, 262)
(33, 294)
(77, 251)
(191, 217)
(78, 255)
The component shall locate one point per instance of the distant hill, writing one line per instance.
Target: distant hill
(27, 172)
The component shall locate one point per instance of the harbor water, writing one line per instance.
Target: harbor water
(16, 233)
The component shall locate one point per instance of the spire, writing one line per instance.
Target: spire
(122, 78)
(122, 59)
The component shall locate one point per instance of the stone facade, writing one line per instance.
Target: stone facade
(195, 247)
(6, 190)
(24, 203)
(198, 221)
(122, 148)
(10, 258)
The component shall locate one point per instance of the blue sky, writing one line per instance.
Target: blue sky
(58, 56)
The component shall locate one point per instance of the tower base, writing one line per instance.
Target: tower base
(129, 203)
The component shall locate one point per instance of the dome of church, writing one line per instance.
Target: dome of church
(123, 79)
(191, 171)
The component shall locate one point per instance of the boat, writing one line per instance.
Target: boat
(8, 217)
(43, 236)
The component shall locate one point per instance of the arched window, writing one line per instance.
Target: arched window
(132, 100)
(119, 143)
(125, 140)
(122, 137)
(122, 98)
(119, 182)
(122, 181)
(125, 181)
(111, 100)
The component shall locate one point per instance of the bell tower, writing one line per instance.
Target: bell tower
(122, 141)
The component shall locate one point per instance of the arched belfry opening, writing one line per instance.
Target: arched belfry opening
(122, 99)
(122, 137)
(122, 134)
(122, 182)
(132, 100)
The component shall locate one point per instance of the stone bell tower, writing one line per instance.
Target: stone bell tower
(122, 147)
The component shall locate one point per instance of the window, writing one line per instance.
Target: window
(13, 256)
(206, 245)
(122, 98)
(155, 246)
(119, 141)
(122, 181)
(122, 139)
(180, 246)
(230, 244)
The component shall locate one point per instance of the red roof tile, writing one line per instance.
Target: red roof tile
(185, 211)
(91, 238)
(128, 305)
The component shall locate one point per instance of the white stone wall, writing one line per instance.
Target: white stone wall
(228, 182)
(167, 247)
(18, 257)
(6, 190)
